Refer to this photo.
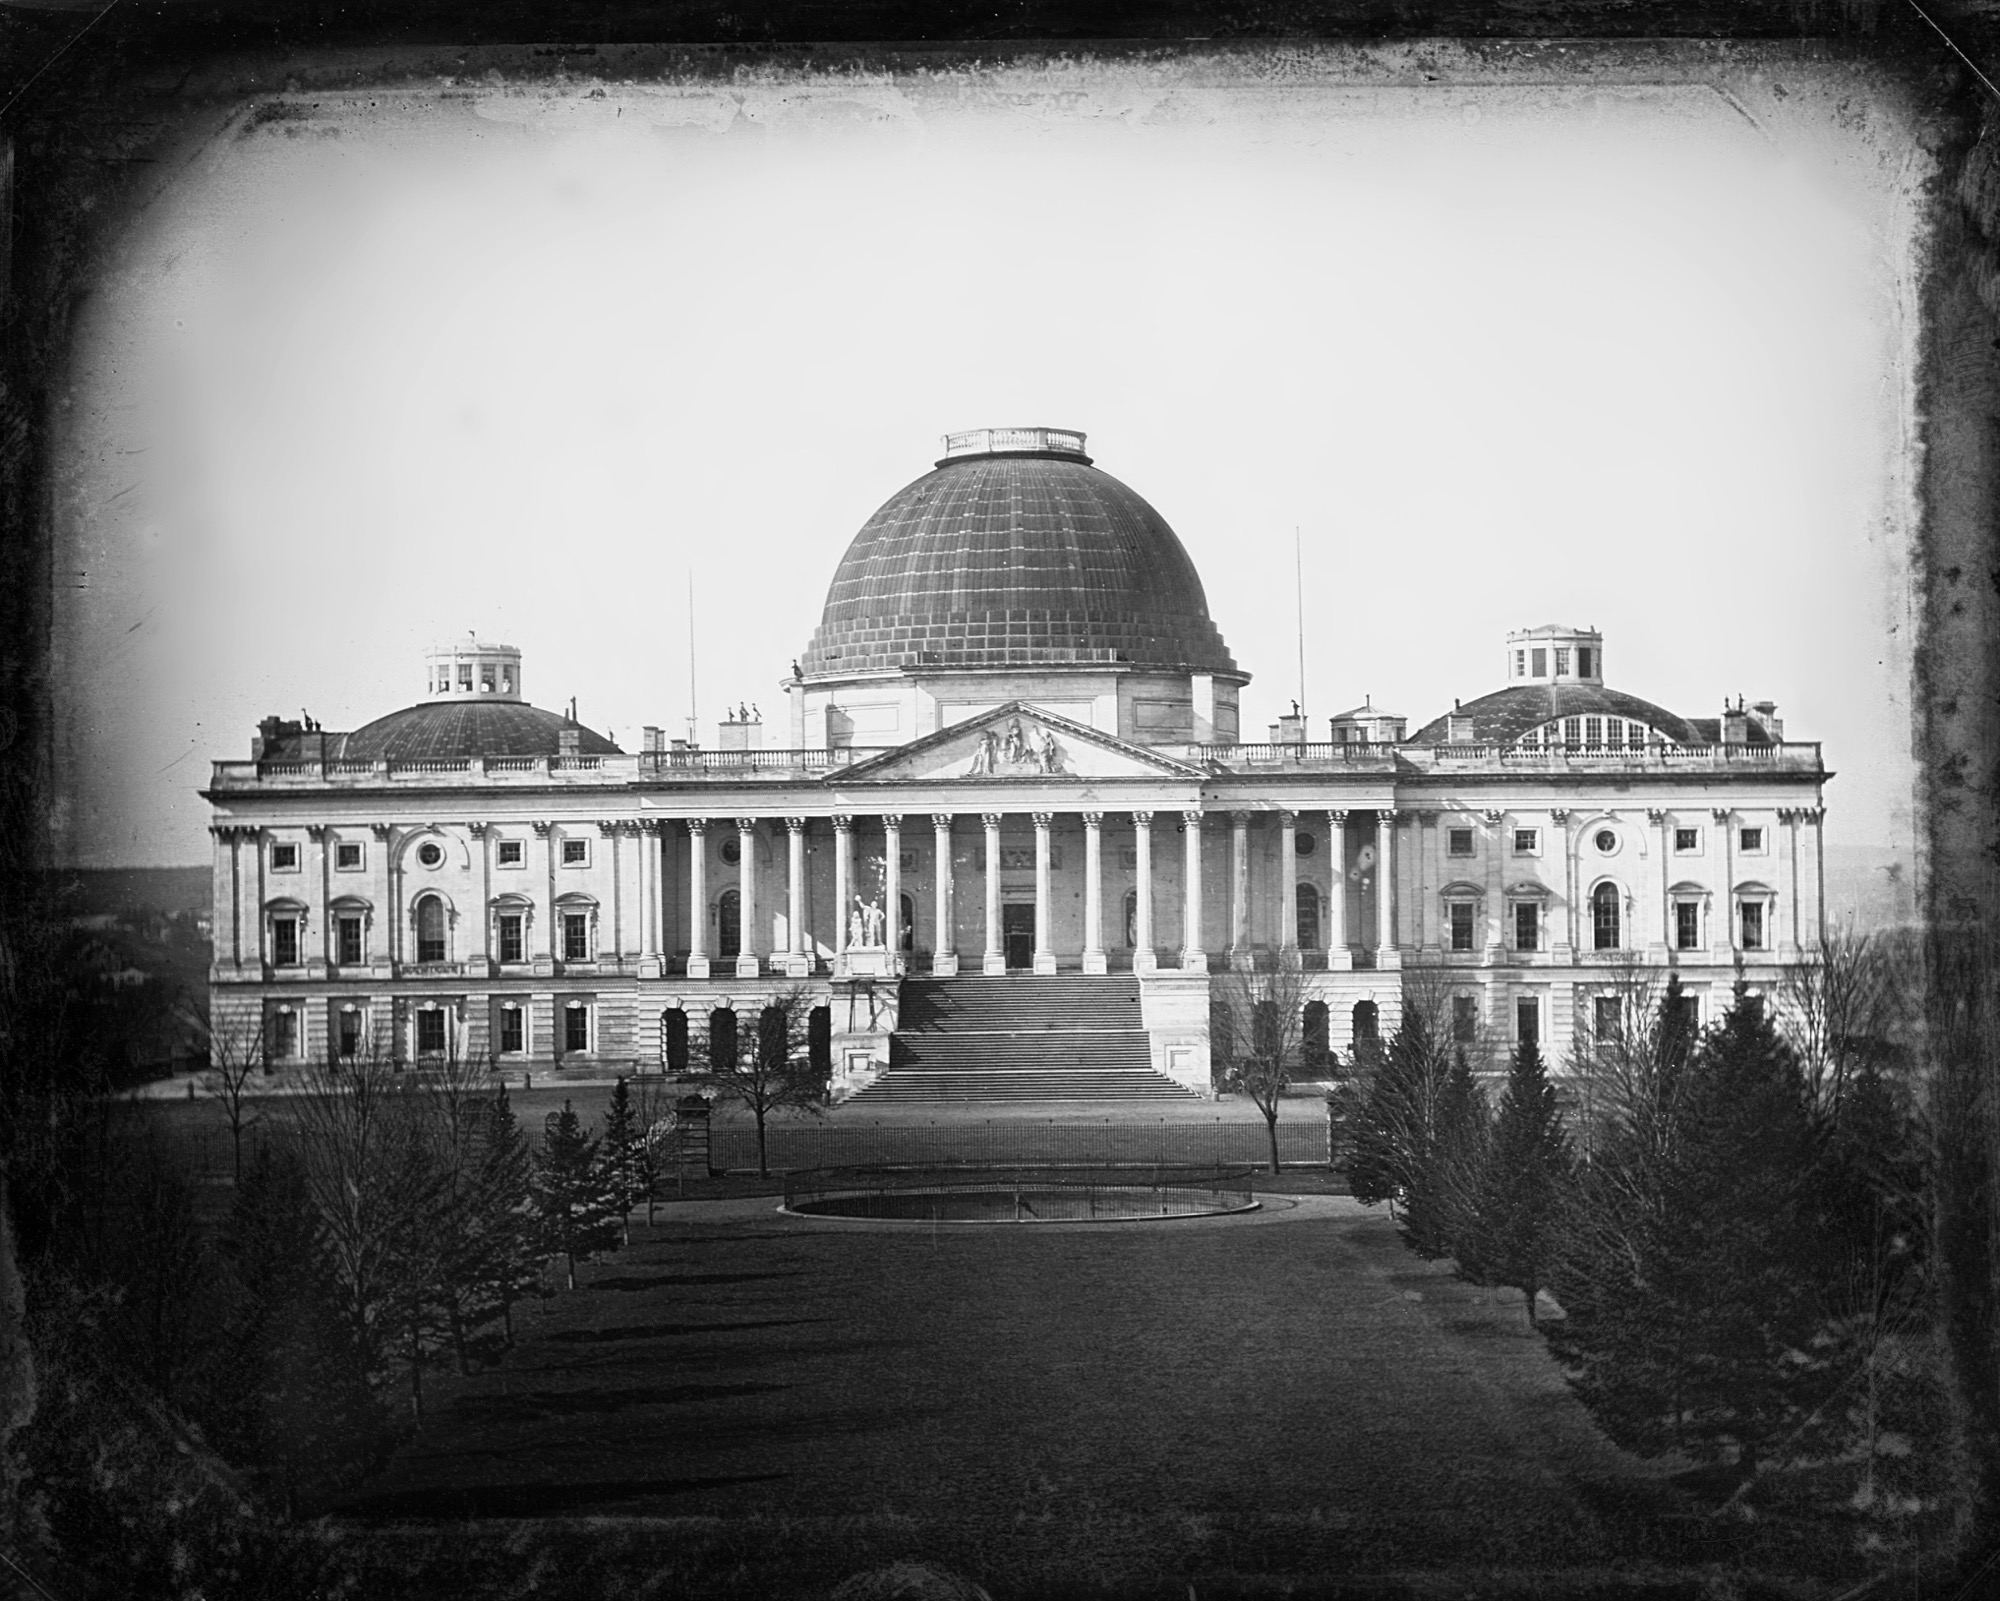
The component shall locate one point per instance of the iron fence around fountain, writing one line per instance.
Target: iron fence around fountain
(1024, 1194)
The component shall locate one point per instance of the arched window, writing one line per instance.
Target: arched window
(908, 938)
(1309, 918)
(819, 1040)
(1264, 1040)
(1366, 1021)
(1314, 1049)
(430, 929)
(771, 1039)
(674, 1035)
(1131, 919)
(729, 924)
(722, 1040)
(1604, 917)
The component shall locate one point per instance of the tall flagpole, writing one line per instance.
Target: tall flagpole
(694, 712)
(1299, 592)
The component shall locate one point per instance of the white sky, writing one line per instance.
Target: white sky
(521, 361)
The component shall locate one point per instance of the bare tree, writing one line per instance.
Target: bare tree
(235, 1062)
(770, 1068)
(1261, 1048)
(1841, 1006)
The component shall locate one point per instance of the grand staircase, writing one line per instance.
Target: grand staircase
(1020, 1038)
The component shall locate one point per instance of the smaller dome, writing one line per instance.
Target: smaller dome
(455, 730)
(1504, 716)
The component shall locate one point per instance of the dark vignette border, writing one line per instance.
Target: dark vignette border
(96, 104)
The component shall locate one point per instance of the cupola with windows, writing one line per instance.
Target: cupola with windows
(473, 669)
(1556, 697)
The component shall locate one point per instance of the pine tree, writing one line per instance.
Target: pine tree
(1527, 1167)
(1693, 1306)
(1442, 1191)
(1395, 1134)
(301, 1406)
(575, 1208)
(619, 1157)
(512, 1258)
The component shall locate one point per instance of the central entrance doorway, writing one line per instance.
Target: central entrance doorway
(1017, 929)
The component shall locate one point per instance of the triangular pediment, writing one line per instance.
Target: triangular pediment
(1015, 741)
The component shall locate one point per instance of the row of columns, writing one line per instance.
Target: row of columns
(796, 959)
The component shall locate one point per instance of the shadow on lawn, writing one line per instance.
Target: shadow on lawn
(662, 1331)
(669, 1281)
(457, 1503)
(532, 1405)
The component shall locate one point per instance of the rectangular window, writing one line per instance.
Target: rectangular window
(465, 676)
(1527, 1020)
(349, 1036)
(285, 941)
(1520, 664)
(1752, 840)
(1541, 658)
(430, 1033)
(1583, 654)
(512, 944)
(349, 932)
(1459, 841)
(486, 680)
(1464, 1018)
(1572, 730)
(1461, 925)
(283, 1029)
(511, 853)
(1562, 661)
(1593, 732)
(1690, 1007)
(1607, 1016)
(1614, 733)
(513, 1033)
(1687, 925)
(347, 856)
(576, 853)
(1753, 925)
(284, 858)
(576, 1028)
(1527, 841)
(1687, 840)
(1527, 926)
(576, 936)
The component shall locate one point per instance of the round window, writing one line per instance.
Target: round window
(1306, 844)
(430, 853)
(732, 851)
(1607, 841)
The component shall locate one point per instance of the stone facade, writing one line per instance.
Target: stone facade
(549, 910)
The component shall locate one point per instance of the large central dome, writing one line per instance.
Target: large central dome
(1016, 551)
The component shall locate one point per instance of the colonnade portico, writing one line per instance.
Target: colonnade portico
(863, 930)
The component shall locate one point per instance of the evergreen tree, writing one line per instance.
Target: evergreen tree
(571, 1199)
(1693, 1313)
(1395, 1134)
(620, 1157)
(513, 1255)
(300, 1406)
(1442, 1192)
(1527, 1167)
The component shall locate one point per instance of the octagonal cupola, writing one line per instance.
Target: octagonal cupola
(1553, 654)
(473, 669)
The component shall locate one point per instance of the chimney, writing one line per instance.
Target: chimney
(1766, 714)
(1289, 729)
(650, 738)
(1735, 725)
(569, 741)
(1458, 730)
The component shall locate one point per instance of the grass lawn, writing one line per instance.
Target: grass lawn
(764, 1405)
